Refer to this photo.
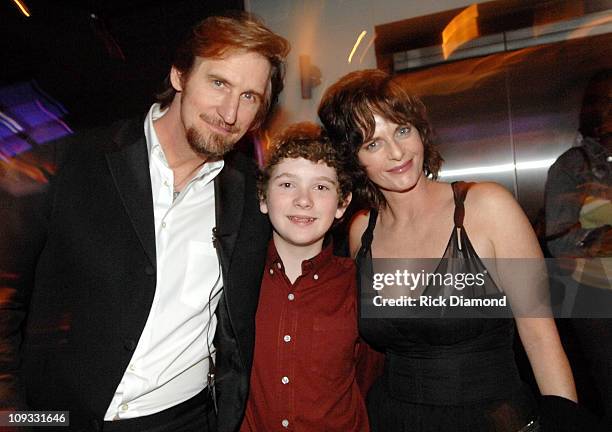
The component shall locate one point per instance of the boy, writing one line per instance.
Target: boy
(306, 342)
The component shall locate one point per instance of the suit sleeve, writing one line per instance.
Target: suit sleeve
(23, 234)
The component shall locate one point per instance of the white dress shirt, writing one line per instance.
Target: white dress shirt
(170, 363)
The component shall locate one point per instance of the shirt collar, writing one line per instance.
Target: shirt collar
(315, 263)
(155, 112)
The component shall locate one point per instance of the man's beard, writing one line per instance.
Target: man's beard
(213, 147)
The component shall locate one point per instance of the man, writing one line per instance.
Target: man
(150, 243)
(578, 186)
(579, 226)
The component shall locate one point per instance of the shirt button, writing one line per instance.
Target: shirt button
(287, 338)
(124, 407)
(291, 297)
(278, 265)
(165, 182)
(285, 380)
(285, 423)
(163, 224)
(132, 367)
(316, 277)
(271, 271)
(609, 159)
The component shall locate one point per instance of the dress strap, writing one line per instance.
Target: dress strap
(460, 190)
(368, 234)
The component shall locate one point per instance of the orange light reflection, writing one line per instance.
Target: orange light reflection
(461, 76)
(461, 29)
(22, 7)
(357, 42)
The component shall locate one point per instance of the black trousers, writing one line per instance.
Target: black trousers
(194, 415)
(594, 343)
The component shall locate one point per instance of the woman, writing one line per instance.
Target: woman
(440, 374)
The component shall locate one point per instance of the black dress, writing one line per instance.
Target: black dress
(445, 374)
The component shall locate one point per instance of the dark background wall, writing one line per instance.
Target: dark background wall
(102, 59)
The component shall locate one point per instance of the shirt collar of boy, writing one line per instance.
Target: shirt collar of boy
(314, 264)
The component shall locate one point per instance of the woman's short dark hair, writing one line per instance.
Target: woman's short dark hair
(306, 140)
(217, 36)
(347, 112)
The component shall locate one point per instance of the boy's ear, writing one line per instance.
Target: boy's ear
(342, 208)
(263, 206)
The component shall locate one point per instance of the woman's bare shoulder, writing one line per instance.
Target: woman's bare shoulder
(488, 199)
(481, 192)
(493, 211)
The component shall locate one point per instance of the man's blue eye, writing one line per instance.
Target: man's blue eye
(249, 97)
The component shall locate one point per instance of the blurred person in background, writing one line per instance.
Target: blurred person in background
(578, 216)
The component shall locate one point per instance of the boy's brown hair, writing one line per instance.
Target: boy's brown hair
(309, 141)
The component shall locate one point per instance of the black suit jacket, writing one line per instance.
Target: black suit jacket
(82, 273)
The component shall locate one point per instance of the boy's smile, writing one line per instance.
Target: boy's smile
(302, 202)
(301, 220)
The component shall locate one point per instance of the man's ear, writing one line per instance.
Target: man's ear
(176, 79)
(342, 207)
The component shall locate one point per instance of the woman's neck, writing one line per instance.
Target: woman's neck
(407, 206)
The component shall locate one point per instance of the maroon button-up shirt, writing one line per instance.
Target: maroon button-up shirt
(306, 349)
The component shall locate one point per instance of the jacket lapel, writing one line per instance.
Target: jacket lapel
(128, 162)
(229, 202)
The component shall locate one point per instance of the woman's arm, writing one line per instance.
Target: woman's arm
(503, 223)
(546, 356)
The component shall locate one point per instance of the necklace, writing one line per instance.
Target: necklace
(178, 186)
